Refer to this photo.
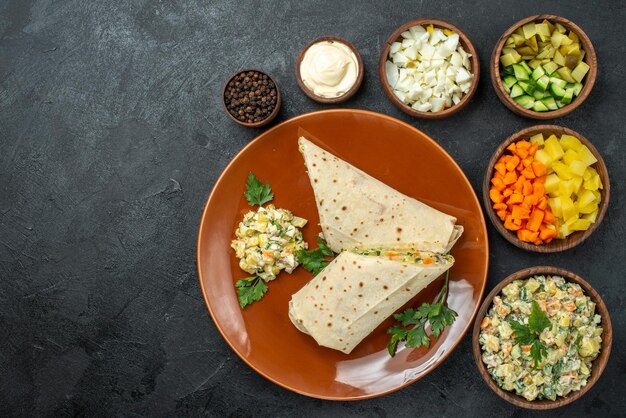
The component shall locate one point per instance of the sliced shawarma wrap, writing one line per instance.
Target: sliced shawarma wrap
(347, 300)
(357, 210)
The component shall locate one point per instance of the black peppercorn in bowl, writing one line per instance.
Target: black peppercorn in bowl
(251, 98)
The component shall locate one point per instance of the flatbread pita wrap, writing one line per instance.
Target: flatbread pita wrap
(357, 210)
(347, 300)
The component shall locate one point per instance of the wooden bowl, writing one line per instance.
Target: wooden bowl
(467, 46)
(346, 95)
(598, 364)
(556, 245)
(589, 81)
(269, 117)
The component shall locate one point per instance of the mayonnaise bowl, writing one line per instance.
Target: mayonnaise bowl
(329, 70)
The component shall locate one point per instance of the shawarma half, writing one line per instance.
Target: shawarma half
(357, 210)
(390, 247)
(357, 291)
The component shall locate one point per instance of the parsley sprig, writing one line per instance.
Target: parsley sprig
(529, 334)
(257, 193)
(250, 289)
(437, 314)
(315, 260)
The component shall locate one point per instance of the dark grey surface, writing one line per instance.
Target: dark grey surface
(111, 136)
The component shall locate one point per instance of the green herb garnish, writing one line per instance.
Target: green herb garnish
(556, 373)
(437, 314)
(250, 289)
(278, 226)
(257, 193)
(529, 334)
(315, 260)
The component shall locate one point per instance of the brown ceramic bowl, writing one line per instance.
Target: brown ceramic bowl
(346, 95)
(467, 46)
(598, 364)
(556, 245)
(269, 117)
(262, 334)
(589, 80)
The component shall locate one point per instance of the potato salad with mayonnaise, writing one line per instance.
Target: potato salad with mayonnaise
(559, 360)
(267, 241)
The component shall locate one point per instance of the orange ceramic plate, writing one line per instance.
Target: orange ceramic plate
(262, 334)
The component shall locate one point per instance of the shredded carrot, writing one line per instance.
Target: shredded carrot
(519, 195)
(520, 212)
(534, 222)
(501, 168)
(515, 198)
(510, 177)
(509, 224)
(529, 201)
(528, 188)
(512, 163)
(542, 203)
(498, 184)
(546, 234)
(495, 195)
(528, 173)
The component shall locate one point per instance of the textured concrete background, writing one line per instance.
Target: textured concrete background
(111, 137)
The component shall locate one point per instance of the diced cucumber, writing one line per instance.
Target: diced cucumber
(550, 103)
(568, 96)
(526, 67)
(538, 106)
(520, 72)
(543, 82)
(537, 73)
(557, 92)
(516, 91)
(559, 82)
(539, 94)
(577, 88)
(507, 71)
(527, 87)
(526, 102)
(509, 81)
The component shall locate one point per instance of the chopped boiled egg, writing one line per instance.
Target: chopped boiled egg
(428, 69)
